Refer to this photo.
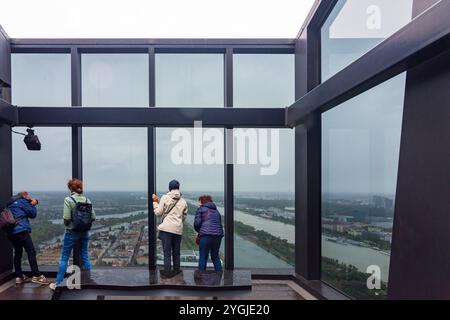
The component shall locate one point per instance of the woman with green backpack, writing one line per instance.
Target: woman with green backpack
(78, 217)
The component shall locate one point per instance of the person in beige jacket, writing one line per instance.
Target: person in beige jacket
(173, 210)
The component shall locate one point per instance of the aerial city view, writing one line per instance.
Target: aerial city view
(356, 233)
(119, 237)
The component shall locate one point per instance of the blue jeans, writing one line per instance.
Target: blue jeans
(209, 244)
(69, 239)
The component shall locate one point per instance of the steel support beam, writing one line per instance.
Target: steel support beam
(8, 113)
(77, 157)
(169, 117)
(103, 42)
(76, 136)
(308, 137)
(418, 41)
(151, 165)
(229, 167)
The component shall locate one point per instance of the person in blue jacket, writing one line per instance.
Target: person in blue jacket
(208, 224)
(23, 208)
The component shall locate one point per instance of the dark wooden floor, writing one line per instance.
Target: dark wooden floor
(28, 291)
(261, 290)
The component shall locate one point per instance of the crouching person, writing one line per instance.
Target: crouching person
(23, 208)
(78, 218)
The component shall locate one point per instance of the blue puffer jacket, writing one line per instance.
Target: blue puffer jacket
(208, 221)
(21, 209)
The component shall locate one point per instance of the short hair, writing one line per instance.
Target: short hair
(174, 185)
(205, 199)
(23, 194)
(75, 185)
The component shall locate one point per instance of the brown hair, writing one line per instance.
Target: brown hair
(23, 194)
(75, 185)
(205, 199)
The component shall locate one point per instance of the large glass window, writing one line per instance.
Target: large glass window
(196, 160)
(263, 80)
(360, 152)
(356, 26)
(44, 174)
(41, 79)
(115, 160)
(189, 80)
(264, 211)
(115, 179)
(115, 80)
(264, 165)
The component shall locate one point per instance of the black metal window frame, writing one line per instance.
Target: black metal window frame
(226, 117)
(425, 37)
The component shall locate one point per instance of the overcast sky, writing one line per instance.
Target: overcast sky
(360, 138)
(116, 158)
(153, 18)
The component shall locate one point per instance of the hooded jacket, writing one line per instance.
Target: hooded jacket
(23, 210)
(208, 221)
(172, 221)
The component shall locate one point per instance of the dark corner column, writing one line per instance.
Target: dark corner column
(419, 6)
(77, 148)
(151, 150)
(308, 198)
(229, 167)
(420, 256)
(308, 161)
(5, 191)
(5, 149)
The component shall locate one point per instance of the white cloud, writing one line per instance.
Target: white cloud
(153, 18)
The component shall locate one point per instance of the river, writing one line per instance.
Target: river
(360, 257)
(107, 216)
(247, 254)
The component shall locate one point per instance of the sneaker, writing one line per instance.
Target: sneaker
(52, 286)
(40, 280)
(23, 279)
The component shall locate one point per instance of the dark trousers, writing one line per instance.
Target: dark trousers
(171, 244)
(209, 245)
(22, 241)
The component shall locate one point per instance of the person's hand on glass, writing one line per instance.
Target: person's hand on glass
(155, 198)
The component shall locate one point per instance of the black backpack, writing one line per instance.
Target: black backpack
(81, 216)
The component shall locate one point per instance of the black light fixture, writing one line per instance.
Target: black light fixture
(31, 140)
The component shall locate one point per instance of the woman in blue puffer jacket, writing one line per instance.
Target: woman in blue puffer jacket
(23, 208)
(208, 224)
